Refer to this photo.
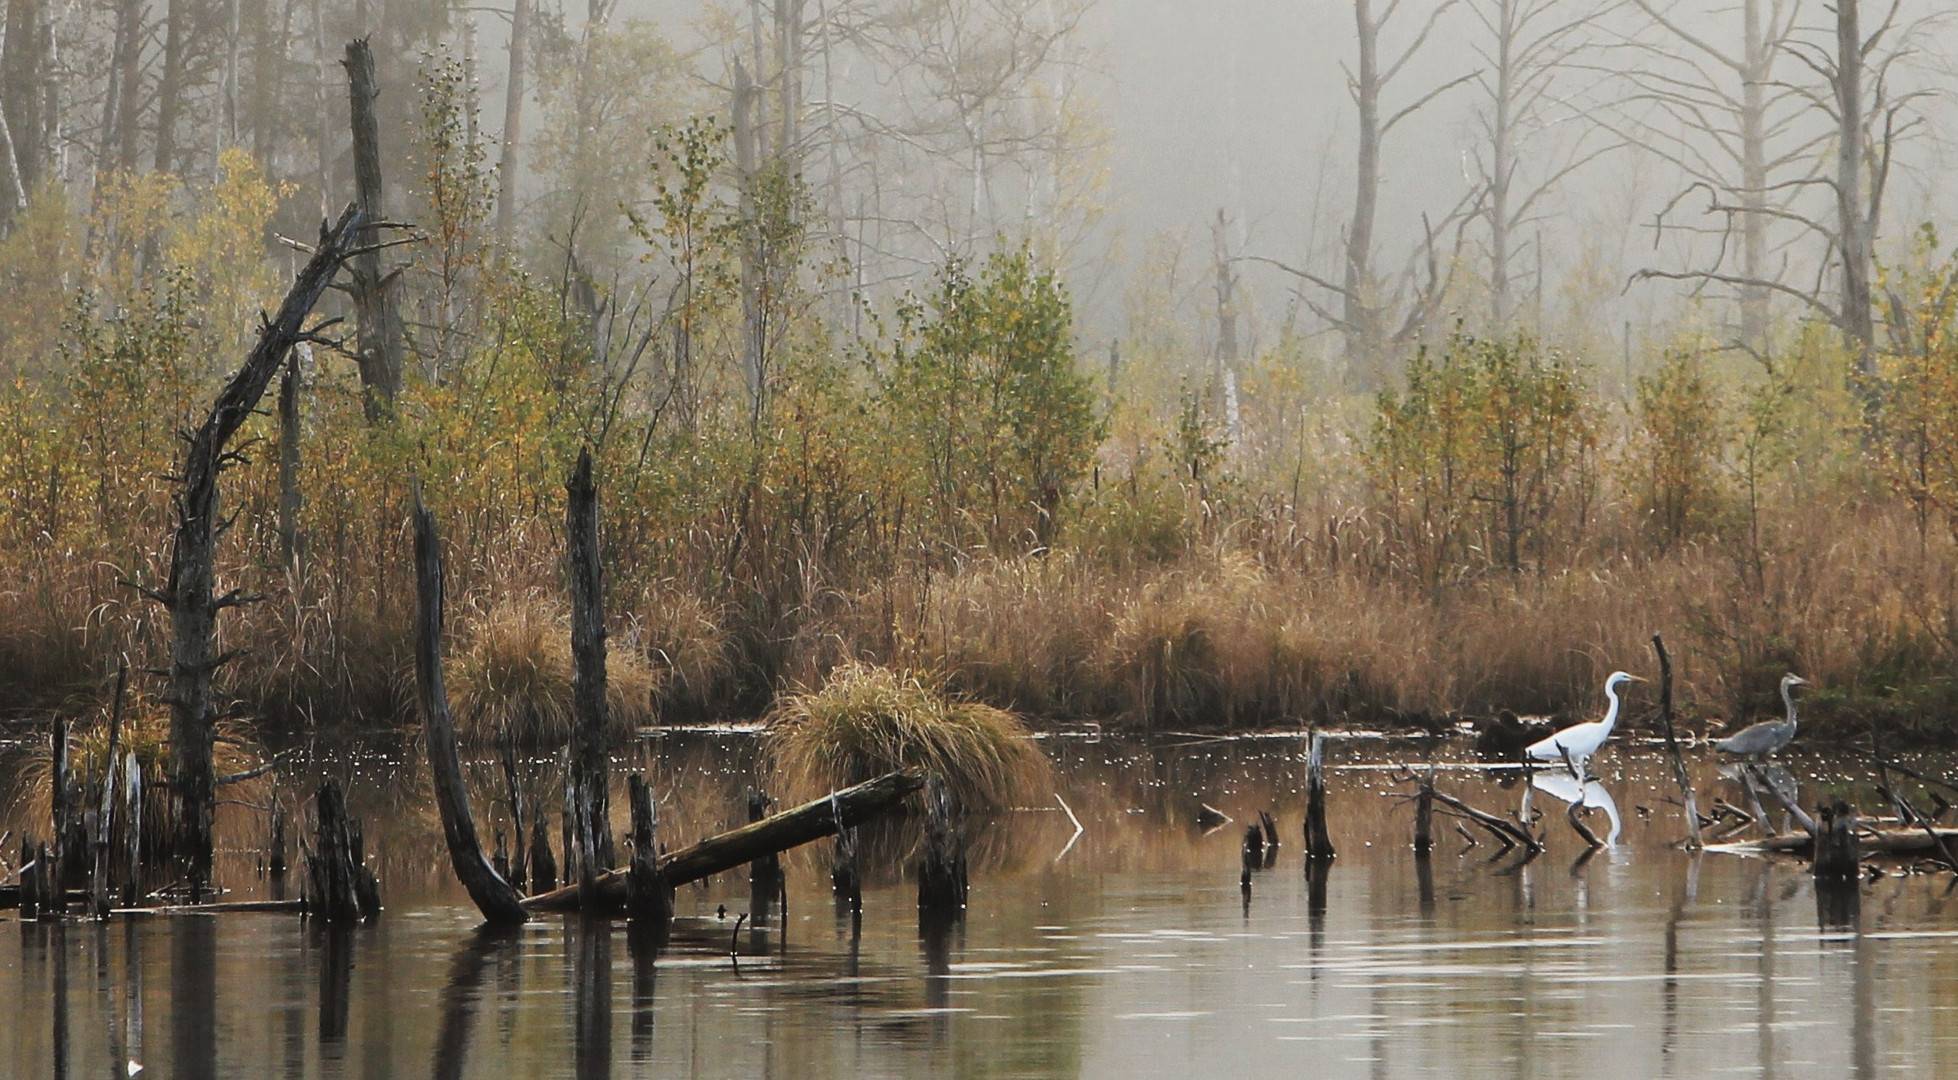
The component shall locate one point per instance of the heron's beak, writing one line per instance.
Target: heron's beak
(1635, 678)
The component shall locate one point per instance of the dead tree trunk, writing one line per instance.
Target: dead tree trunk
(333, 868)
(1424, 816)
(1859, 332)
(1672, 747)
(289, 464)
(190, 594)
(590, 756)
(649, 898)
(765, 879)
(1838, 852)
(543, 865)
(1318, 843)
(507, 165)
(494, 897)
(381, 344)
(942, 880)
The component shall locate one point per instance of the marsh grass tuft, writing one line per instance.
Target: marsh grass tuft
(867, 720)
(515, 675)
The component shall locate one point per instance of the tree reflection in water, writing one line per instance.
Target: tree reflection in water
(464, 991)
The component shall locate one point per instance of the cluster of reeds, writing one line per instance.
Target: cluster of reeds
(513, 677)
(866, 720)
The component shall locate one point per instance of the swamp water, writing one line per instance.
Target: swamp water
(1128, 951)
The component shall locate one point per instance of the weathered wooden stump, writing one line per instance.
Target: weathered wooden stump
(766, 883)
(332, 869)
(942, 880)
(1318, 842)
(649, 900)
(1838, 850)
(543, 865)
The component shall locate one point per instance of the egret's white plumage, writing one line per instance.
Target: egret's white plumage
(1579, 741)
(1769, 735)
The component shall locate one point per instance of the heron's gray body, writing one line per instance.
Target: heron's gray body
(1769, 735)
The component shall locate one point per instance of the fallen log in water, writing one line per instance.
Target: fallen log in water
(1874, 842)
(716, 854)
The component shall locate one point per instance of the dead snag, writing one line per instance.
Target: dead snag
(289, 501)
(101, 885)
(1318, 843)
(381, 338)
(1253, 850)
(649, 900)
(942, 881)
(543, 865)
(590, 756)
(333, 867)
(1838, 851)
(1507, 833)
(190, 594)
(765, 878)
(513, 793)
(61, 811)
(1424, 815)
(1672, 746)
(845, 875)
(494, 897)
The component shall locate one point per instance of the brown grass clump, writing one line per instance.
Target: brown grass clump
(689, 643)
(515, 675)
(868, 720)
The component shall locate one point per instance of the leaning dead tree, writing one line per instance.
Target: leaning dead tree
(190, 595)
(496, 898)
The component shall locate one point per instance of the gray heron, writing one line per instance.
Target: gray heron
(1759, 740)
(1578, 742)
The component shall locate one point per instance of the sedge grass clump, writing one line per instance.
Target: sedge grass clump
(868, 720)
(514, 678)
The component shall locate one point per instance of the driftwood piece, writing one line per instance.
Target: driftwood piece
(1318, 842)
(1507, 833)
(588, 778)
(718, 854)
(190, 594)
(1679, 774)
(494, 897)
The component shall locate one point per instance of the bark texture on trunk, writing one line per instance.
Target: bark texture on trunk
(590, 756)
(381, 334)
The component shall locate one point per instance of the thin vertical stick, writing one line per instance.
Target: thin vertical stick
(1693, 842)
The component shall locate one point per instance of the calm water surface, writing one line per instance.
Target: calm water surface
(1130, 952)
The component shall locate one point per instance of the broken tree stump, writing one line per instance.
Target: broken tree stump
(1318, 842)
(718, 854)
(765, 878)
(1838, 850)
(494, 897)
(942, 881)
(333, 868)
(587, 780)
(649, 900)
(1424, 815)
(543, 865)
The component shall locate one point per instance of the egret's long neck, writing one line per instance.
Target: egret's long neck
(1611, 714)
(1788, 695)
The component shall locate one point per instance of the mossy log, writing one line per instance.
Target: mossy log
(728, 850)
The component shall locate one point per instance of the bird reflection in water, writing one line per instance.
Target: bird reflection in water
(1559, 784)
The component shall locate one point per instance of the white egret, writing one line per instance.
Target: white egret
(1766, 737)
(1579, 741)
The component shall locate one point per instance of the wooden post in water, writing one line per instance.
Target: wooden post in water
(1318, 843)
(1838, 851)
(1424, 816)
(543, 865)
(494, 897)
(132, 772)
(585, 789)
(765, 878)
(335, 869)
(942, 881)
(1679, 773)
(649, 901)
(60, 806)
